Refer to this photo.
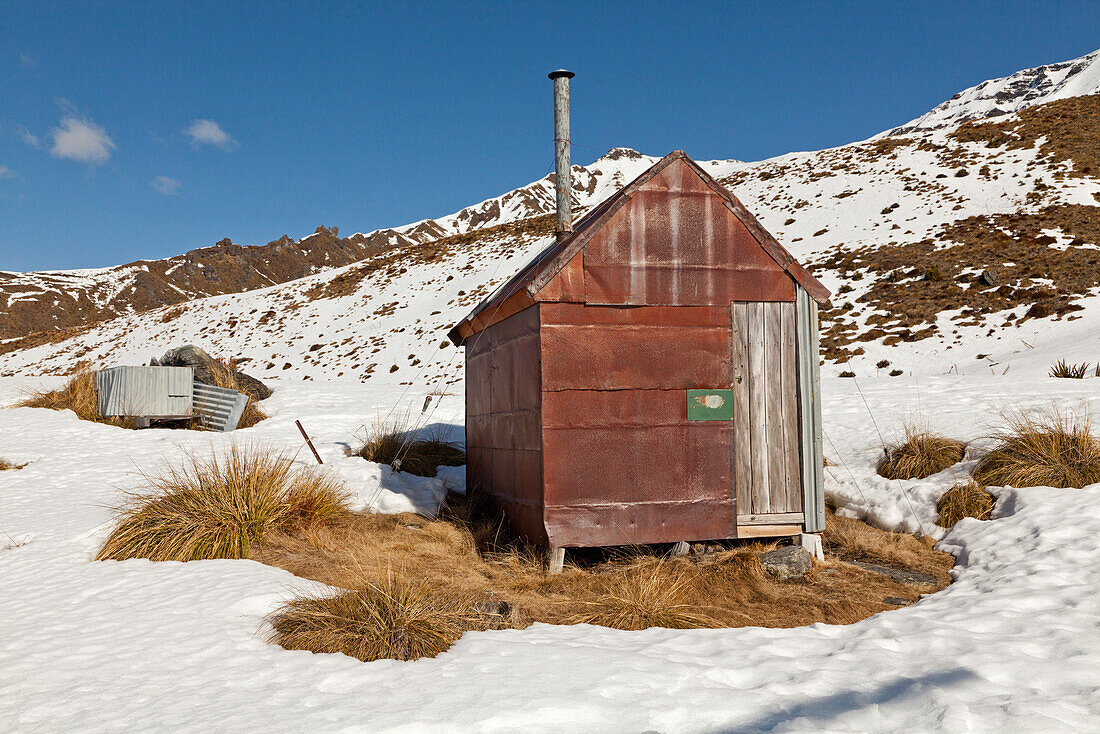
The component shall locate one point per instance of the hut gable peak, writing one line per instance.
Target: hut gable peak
(673, 236)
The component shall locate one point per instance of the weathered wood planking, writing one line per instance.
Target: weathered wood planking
(771, 518)
(766, 426)
(790, 410)
(742, 379)
(774, 431)
(758, 409)
(767, 531)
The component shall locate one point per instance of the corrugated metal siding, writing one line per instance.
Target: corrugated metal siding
(503, 419)
(553, 274)
(218, 408)
(647, 347)
(577, 405)
(675, 242)
(809, 389)
(622, 462)
(142, 392)
(568, 284)
(626, 466)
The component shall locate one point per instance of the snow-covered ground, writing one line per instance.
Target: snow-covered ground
(87, 646)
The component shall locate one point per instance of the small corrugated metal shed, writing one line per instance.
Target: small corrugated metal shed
(651, 377)
(167, 393)
(145, 392)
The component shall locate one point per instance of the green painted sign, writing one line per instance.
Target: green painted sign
(710, 405)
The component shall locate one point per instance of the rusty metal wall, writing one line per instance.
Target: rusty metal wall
(675, 242)
(622, 463)
(577, 407)
(503, 419)
(651, 347)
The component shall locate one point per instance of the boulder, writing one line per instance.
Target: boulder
(790, 562)
(252, 387)
(204, 365)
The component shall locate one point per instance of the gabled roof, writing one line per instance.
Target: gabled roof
(550, 261)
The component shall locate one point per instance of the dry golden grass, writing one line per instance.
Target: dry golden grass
(1063, 130)
(1037, 278)
(420, 455)
(6, 465)
(965, 499)
(644, 595)
(395, 617)
(1035, 450)
(78, 395)
(1063, 369)
(468, 555)
(218, 507)
(225, 375)
(920, 455)
(852, 540)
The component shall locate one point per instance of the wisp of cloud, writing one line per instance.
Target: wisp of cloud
(166, 185)
(209, 132)
(81, 140)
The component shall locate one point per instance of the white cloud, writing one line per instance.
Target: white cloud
(27, 137)
(27, 61)
(208, 132)
(166, 185)
(6, 172)
(81, 140)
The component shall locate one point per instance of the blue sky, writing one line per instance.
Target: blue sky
(142, 130)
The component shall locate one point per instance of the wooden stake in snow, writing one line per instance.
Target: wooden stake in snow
(308, 442)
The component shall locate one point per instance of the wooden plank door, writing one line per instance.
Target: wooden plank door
(766, 464)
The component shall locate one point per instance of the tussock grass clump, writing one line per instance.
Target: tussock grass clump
(396, 618)
(1070, 371)
(420, 455)
(965, 499)
(920, 455)
(653, 594)
(467, 554)
(78, 395)
(1052, 450)
(220, 506)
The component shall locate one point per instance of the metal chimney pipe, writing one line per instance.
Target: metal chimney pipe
(563, 178)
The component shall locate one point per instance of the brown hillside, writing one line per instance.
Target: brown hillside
(57, 304)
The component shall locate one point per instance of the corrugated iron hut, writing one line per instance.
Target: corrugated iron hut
(650, 377)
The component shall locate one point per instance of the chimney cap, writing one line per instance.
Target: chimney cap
(561, 72)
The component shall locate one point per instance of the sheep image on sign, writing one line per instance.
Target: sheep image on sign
(710, 405)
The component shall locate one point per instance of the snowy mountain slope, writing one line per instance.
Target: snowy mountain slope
(393, 309)
(59, 300)
(998, 97)
(903, 229)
